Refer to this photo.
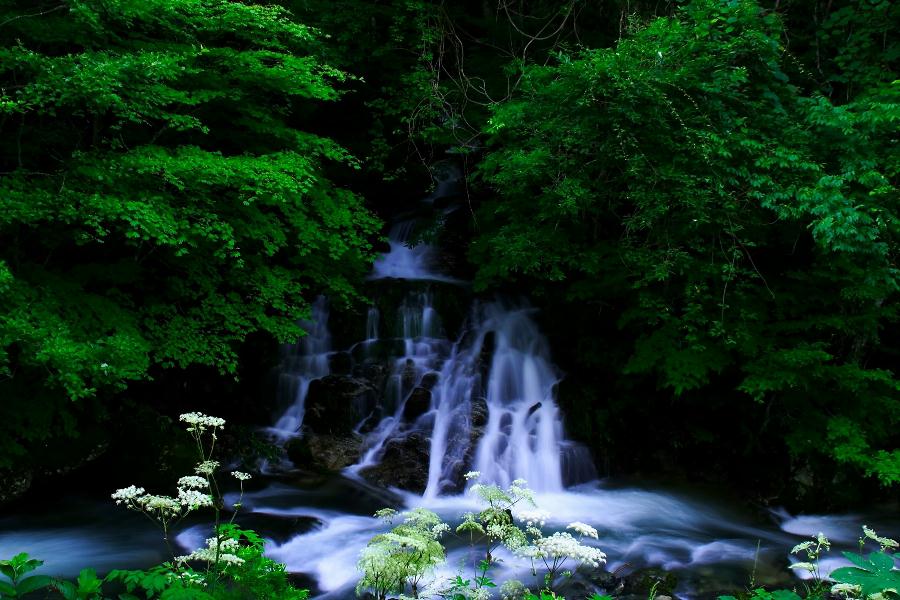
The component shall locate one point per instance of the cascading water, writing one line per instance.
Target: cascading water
(302, 363)
(524, 434)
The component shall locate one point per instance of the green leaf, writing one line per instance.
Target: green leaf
(35, 582)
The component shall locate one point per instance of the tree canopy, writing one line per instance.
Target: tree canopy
(162, 195)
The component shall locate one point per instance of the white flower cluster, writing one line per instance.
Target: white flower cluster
(562, 545)
(240, 476)
(128, 495)
(472, 475)
(583, 529)
(848, 590)
(163, 506)
(884, 542)
(518, 489)
(439, 530)
(193, 482)
(513, 589)
(225, 552)
(193, 499)
(532, 518)
(188, 579)
(198, 422)
(207, 467)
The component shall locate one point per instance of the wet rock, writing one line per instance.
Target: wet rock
(417, 404)
(479, 412)
(642, 581)
(585, 582)
(335, 404)
(14, 484)
(534, 408)
(317, 452)
(408, 374)
(374, 373)
(403, 465)
(279, 528)
(486, 355)
(429, 380)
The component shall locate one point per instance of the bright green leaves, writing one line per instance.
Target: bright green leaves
(15, 570)
(874, 574)
(161, 197)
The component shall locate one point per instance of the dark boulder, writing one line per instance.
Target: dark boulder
(429, 380)
(335, 404)
(404, 464)
(315, 452)
(417, 404)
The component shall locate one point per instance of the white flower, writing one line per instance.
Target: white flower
(472, 475)
(193, 499)
(801, 547)
(207, 467)
(240, 476)
(193, 481)
(224, 553)
(882, 541)
(198, 422)
(127, 495)
(164, 505)
(583, 529)
(563, 545)
(532, 518)
(439, 529)
(847, 589)
(805, 566)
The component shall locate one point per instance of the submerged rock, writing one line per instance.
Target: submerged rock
(643, 581)
(404, 464)
(324, 452)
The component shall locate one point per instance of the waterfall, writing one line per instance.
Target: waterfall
(491, 403)
(424, 346)
(483, 402)
(302, 363)
(523, 436)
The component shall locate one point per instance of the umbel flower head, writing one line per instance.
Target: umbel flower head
(198, 422)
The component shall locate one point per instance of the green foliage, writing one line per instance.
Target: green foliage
(18, 585)
(400, 558)
(740, 232)
(875, 573)
(86, 587)
(161, 197)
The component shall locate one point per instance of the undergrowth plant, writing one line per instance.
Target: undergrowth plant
(231, 564)
(396, 561)
(16, 569)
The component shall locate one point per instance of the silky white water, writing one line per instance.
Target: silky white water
(302, 363)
